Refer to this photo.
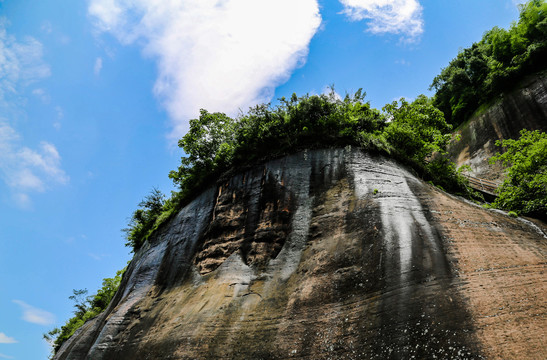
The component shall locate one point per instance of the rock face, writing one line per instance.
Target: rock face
(523, 108)
(328, 254)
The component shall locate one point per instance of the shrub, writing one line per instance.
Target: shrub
(525, 187)
(85, 308)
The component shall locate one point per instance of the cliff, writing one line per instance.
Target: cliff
(328, 254)
(523, 108)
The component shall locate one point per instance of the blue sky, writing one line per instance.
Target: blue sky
(94, 95)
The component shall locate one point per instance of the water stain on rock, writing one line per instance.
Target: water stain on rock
(325, 254)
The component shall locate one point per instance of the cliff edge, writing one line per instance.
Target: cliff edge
(329, 253)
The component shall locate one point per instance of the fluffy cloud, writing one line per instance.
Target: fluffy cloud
(20, 62)
(402, 17)
(23, 169)
(35, 315)
(4, 339)
(220, 55)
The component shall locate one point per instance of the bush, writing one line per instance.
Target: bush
(144, 219)
(85, 308)
(409, 131)
(525, 187)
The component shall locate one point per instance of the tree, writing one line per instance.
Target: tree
(85, 308)
(491, 66)
(525, 187)
(144, 219)
(417, 129)
(80, 301)
(208, 144)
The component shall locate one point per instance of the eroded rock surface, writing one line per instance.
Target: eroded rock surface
(328, 254)
(523, 108)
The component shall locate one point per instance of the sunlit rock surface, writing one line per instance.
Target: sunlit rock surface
(328, 254)
(523, 108)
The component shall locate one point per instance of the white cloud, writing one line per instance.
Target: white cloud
(60, 112)
(60, 115)
(46, 27)
(34, 315)
(26, 170)
(218, 55)
(98, 257)
(4, 339)
(402, 62)
(402, 17)
(2, 356)
(20, 62)
(22, 201)
(42, 95)
(98, 66)
(23, 169)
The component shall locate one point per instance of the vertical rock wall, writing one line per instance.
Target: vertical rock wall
(523, 108)
(323, 254)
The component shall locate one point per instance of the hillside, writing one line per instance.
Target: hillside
(523, 108)
(329, 253)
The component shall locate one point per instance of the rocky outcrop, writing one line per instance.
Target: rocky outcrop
(328, 254)
(523, 108)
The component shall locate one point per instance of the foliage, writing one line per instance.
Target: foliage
(143, 220)
(85, 308)
(409, 131)
(216, 143)
(493, 65)
(417, 129)
(525, 187)
(414, 132)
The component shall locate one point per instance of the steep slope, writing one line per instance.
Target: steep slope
(523, 108)
(328, 254)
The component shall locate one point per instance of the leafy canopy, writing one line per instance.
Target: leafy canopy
(417, 129)
(525, 187)
(494, 64)
(216, 144)
(144, 218)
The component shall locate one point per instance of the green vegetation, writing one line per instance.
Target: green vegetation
(482, 72)
(85, 308)
(144, 220)
(493, 65)
(415, 133)
(216, 144)
(524, 190)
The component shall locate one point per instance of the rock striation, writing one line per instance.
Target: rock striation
(328, 254)
(523, 108)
